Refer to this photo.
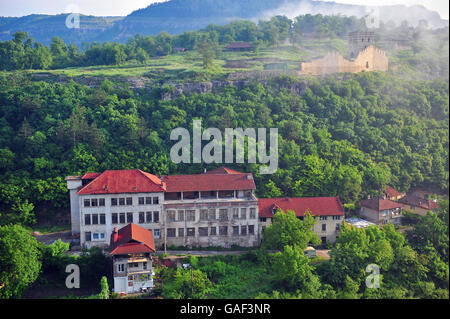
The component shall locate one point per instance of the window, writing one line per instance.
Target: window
(180, 215)
(235, 213)
(212, 214)
(94, 219)
(156, 233)
(141, 218)
(144, 265)
(170, 215)
(102, 219)
(120, 267)
(171, 232)
(203, 214)
(180, 232)
(324, 227)
(252, 213)
(243, 213)
(114, 218)
(223, 214)
(324, 240)
(95, 236)
(141, 200)
(243, 230)
(113, 201)
(323, 217)
(263, 220)
(129, 201)
(223, 230)
(156, 217)
(338, 226)
(148, 200)
(203, 231)
(87, 236)
(121, 201)
(87, 203)
(101, 202)
(190, 232)
(213, 231)
(94, 202)
(336, 217)
(251, 229)
(87, 219)
(129, 218)
(235, 230)
(148, 217)
(122, 218)
(155, 200)
(190, 215)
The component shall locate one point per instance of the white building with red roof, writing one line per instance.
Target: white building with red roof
(328, 212)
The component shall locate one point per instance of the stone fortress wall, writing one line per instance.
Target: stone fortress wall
(363, 56)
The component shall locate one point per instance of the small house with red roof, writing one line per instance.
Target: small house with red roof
(131, 248)
(418, 205)
(380, 210)
(328, 212)
(392, 194)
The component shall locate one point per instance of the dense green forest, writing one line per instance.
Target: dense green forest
(348, 137)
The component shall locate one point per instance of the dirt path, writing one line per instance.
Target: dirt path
(65, 236)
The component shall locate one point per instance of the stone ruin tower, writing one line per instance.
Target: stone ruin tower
(358, 41)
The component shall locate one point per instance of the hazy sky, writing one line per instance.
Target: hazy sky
(17, 8)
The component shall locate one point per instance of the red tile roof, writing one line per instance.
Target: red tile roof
(131, 239)
(90, 175)
(137, 181)
(392, 192)
(318, 206)
(123, 181)
(209, 182)
(419, 202)
(380, 204)
(223, 170)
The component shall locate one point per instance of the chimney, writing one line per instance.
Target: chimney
(115, 234)
(249, 177)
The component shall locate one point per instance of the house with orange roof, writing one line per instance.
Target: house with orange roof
(380, 210)
(131, 247)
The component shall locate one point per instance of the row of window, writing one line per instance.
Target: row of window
(122, 201)
(324, 227)
(121, 218)
(94, 236)
(211, 231)
(209, 214)
(126, 218)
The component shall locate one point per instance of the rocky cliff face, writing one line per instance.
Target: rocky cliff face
(170, 91)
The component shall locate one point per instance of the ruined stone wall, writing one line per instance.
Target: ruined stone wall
(369, 59)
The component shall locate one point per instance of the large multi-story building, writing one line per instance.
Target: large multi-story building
(217, 208)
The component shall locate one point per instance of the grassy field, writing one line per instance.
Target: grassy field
(187, 66)
(180, 66)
